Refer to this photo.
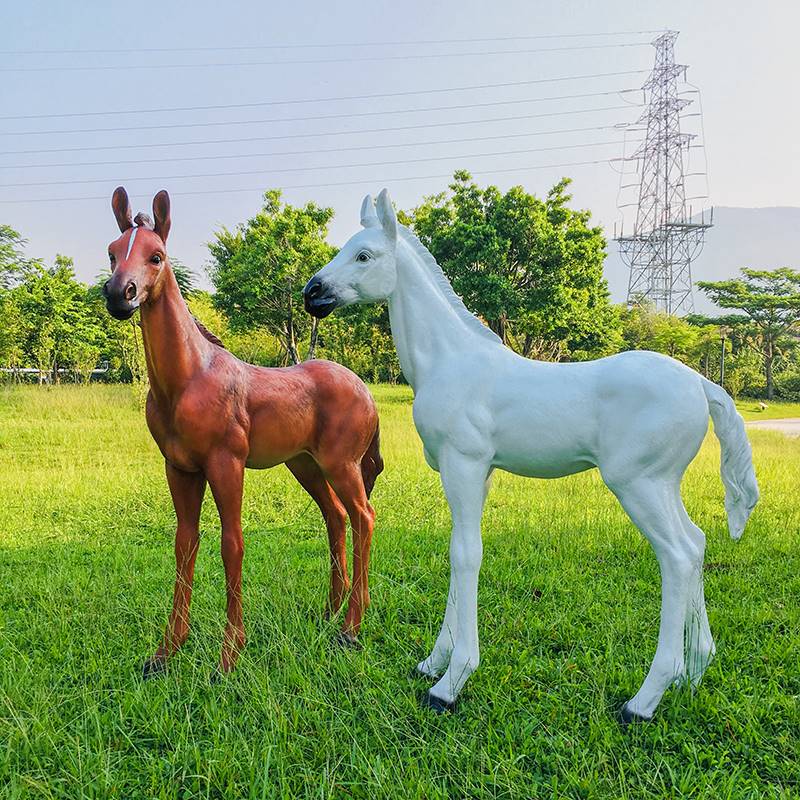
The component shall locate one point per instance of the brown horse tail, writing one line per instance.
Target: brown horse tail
(371, 462)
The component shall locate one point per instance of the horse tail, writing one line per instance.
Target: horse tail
(371, 461)
(736, 467)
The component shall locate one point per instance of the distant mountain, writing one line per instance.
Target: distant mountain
(762, 238)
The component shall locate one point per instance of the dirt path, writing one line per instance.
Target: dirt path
(789, 426)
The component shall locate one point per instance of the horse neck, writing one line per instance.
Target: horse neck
(425, 325)
(174, 348)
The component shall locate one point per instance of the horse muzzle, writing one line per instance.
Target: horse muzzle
(317, 299)
(120, 303)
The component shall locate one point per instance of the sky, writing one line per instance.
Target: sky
(415, 68)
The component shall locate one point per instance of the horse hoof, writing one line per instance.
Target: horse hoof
(347, 641)
(153, 668)
(436, 704)
(628, 717)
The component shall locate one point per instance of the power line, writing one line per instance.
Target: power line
(296, 46)
(349, 59)
(299, 169)
(306, 135)
(368, 181)
(390, 145)
(314, 117)
(381, 95)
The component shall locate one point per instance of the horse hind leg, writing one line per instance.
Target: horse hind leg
(372, 463)
(700, 648)
(310, 477)
(653, 506)
(348, 483)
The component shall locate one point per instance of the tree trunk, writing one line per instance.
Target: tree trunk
(500, 326)
(528, 346)
(291, 343)
(312, 347)
(768, 358)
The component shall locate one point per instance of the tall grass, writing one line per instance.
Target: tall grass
(569, 606)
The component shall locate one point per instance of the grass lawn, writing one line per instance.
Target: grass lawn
(569, 607)
(775, 410)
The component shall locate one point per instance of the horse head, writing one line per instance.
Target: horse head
(364, 270)
(138, 257)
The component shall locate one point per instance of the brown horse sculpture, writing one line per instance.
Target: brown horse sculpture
(213, 415)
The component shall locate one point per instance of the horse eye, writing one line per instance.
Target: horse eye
(111, 258)
(156, 259)
(362, 257)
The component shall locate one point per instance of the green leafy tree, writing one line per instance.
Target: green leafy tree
(359, 337)
(13, 331)
(184, 277)
(769, 302)
(645, 328)
(12, 260)
(260, 268)
(59, 329)
(531, 268)
(257, 346)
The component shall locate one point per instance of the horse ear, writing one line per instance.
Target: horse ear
(386, 215)
(369, 219)
(161, 213)
(121, 207)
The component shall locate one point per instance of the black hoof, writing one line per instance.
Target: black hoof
(347, 641)
(436, 704)
(153, 668)
(628, 717)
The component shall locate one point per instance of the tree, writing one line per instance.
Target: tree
(260, 268)
(184, 277)
(57, 326)
(770, 302)
(257, 346)
(12, 261)
(531, 268)
(645, 328)
(360, 338)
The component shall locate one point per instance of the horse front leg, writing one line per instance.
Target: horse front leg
(225, 473)
(437, 661)
(464, 479)
(187, 490)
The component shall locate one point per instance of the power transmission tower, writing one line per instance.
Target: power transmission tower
(665, 239)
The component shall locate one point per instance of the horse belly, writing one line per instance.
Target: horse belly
(272, 443)
(546, 445)
(541, 462)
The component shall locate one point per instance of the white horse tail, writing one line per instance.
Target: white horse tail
(736, 468)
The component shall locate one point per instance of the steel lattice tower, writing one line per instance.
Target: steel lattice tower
(665, 240)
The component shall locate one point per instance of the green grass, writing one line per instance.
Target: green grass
(569, 607)
(749, 409)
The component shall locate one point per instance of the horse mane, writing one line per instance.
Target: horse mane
(446, 288)
(207, 334)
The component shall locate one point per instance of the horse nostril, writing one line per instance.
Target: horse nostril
(105, 288)
(314, 290)
(130, 291)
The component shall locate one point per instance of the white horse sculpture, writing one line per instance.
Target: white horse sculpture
(639, 417)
